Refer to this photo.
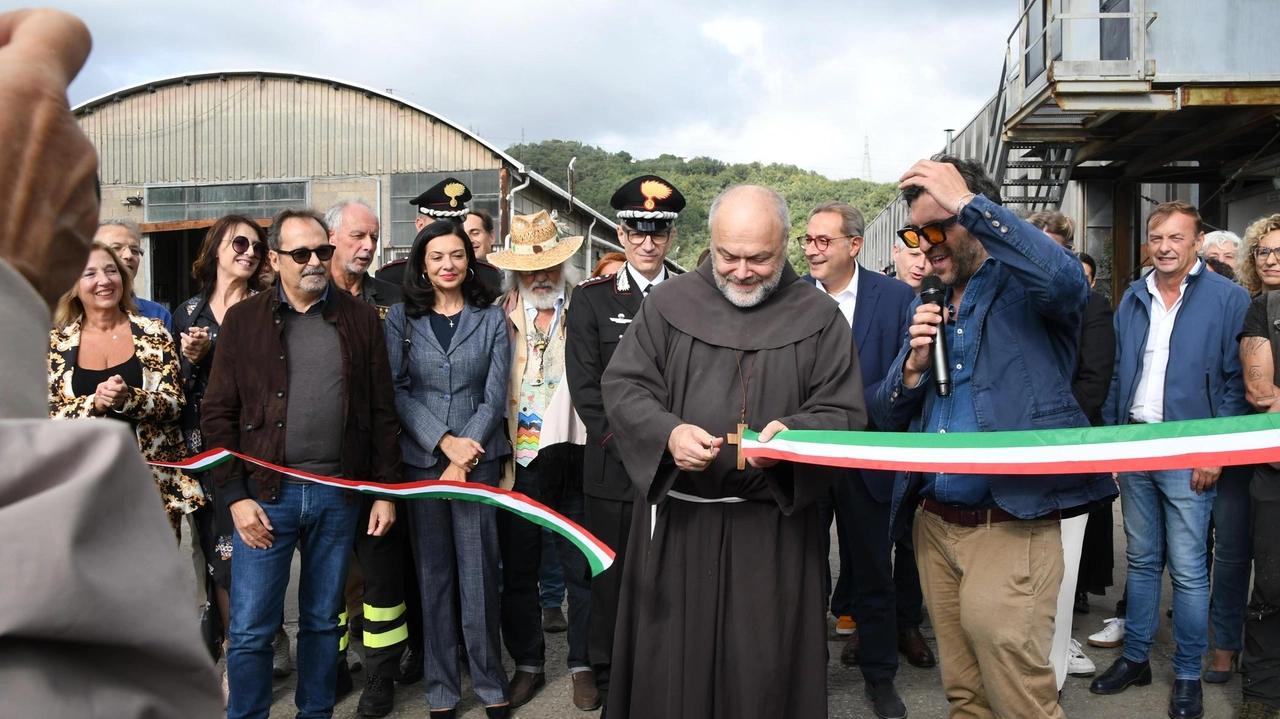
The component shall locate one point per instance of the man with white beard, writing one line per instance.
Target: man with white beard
(548, 437)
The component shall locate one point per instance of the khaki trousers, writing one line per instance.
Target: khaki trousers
(992, 592)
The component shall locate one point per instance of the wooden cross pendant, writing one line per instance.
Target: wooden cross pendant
(736, 440)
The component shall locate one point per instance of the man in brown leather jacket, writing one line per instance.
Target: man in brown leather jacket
(301, 380)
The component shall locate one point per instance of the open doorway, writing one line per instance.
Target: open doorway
(172, 254)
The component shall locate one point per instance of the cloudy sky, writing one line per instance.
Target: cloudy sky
(803, 82)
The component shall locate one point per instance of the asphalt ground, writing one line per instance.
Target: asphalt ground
(921, 689)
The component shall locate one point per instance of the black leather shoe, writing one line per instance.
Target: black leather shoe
(851, 655)
(885, 700)
(410, 666)
(443, 713)
(499, 712)
(378, 697)
(344, 685)
(1187, 701)
(1122, 674)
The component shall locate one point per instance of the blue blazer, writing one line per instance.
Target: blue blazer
(881, 319)
(462, 392)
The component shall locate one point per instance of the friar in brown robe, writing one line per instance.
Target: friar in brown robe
(723, 610)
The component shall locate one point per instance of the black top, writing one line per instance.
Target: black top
(84, 382)
(1255, 319)
(444, 326)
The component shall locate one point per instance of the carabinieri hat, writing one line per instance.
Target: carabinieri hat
(648, 203)
(447, 198)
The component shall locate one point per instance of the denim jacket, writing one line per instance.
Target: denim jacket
(1027, 315)
(1204, 378)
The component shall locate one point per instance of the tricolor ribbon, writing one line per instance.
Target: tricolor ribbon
(1252, 439)
(599, 556)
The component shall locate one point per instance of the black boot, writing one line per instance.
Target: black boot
(378, 698)
(1121, 676)
(410, 666)
(501, 712)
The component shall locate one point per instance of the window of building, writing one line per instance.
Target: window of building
(207, 202)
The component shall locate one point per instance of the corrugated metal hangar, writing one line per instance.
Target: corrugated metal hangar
(175, 154)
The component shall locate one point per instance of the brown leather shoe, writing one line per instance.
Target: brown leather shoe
(911, 643)
(585, 695)
(523, 686)
(852, 652)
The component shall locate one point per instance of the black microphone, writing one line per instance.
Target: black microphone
(932, 291)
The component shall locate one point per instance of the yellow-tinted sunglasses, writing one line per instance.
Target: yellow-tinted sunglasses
(934, 232)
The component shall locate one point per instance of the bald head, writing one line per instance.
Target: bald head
(761, 208)
(749, 226)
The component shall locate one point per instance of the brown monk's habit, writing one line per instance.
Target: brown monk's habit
(722, 611)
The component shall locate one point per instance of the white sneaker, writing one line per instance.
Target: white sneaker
(1078, 665)
(281, 663)
(1112, 635)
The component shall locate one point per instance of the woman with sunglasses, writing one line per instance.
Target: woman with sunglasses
(227, 271)
(450, 358)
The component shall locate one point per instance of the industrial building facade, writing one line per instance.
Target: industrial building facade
(1106, 107)
(176, 154)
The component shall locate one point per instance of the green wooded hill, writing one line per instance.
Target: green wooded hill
(598, 173)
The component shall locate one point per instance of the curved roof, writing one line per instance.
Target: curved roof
(188, 78)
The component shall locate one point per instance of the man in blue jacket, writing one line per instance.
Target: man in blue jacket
(989, 547)
(878, 309)
(1182, 313)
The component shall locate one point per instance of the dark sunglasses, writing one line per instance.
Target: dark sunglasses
(302, 255)
(241, 245)
(934, 232)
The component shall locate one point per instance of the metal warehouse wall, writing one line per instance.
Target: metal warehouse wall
(249, 127)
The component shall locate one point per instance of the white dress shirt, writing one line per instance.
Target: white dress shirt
(643, 284)
(1148, 400)
(848, 297)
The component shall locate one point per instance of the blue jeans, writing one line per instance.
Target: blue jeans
(319, 520)
(1232, 557)
(550, 576)
(1161, 511)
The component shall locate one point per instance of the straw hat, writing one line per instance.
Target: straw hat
(534, 245)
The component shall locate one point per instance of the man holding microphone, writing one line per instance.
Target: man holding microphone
(989, 547)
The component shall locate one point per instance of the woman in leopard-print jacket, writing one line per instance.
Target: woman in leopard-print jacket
(153, 399)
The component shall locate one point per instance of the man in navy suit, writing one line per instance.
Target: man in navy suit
(878, 310)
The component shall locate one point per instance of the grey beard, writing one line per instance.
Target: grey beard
(758, 295)
(541, 302)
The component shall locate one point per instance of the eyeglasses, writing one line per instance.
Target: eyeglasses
(135, 251)
(302, 255)
(934, 232)
(821, 242)
(635, 239)
(241, 245)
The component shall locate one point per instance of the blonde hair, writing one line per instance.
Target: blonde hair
(70, 309)
(1248, 266)
(1057, 223)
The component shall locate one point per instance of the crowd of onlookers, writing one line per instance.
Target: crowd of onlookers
(475, 382)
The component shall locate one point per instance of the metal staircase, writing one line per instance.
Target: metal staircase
(1043, 170)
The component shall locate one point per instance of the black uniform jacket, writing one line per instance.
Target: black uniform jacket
(599, 315)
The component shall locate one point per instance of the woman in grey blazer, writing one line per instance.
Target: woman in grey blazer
(450, 356)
